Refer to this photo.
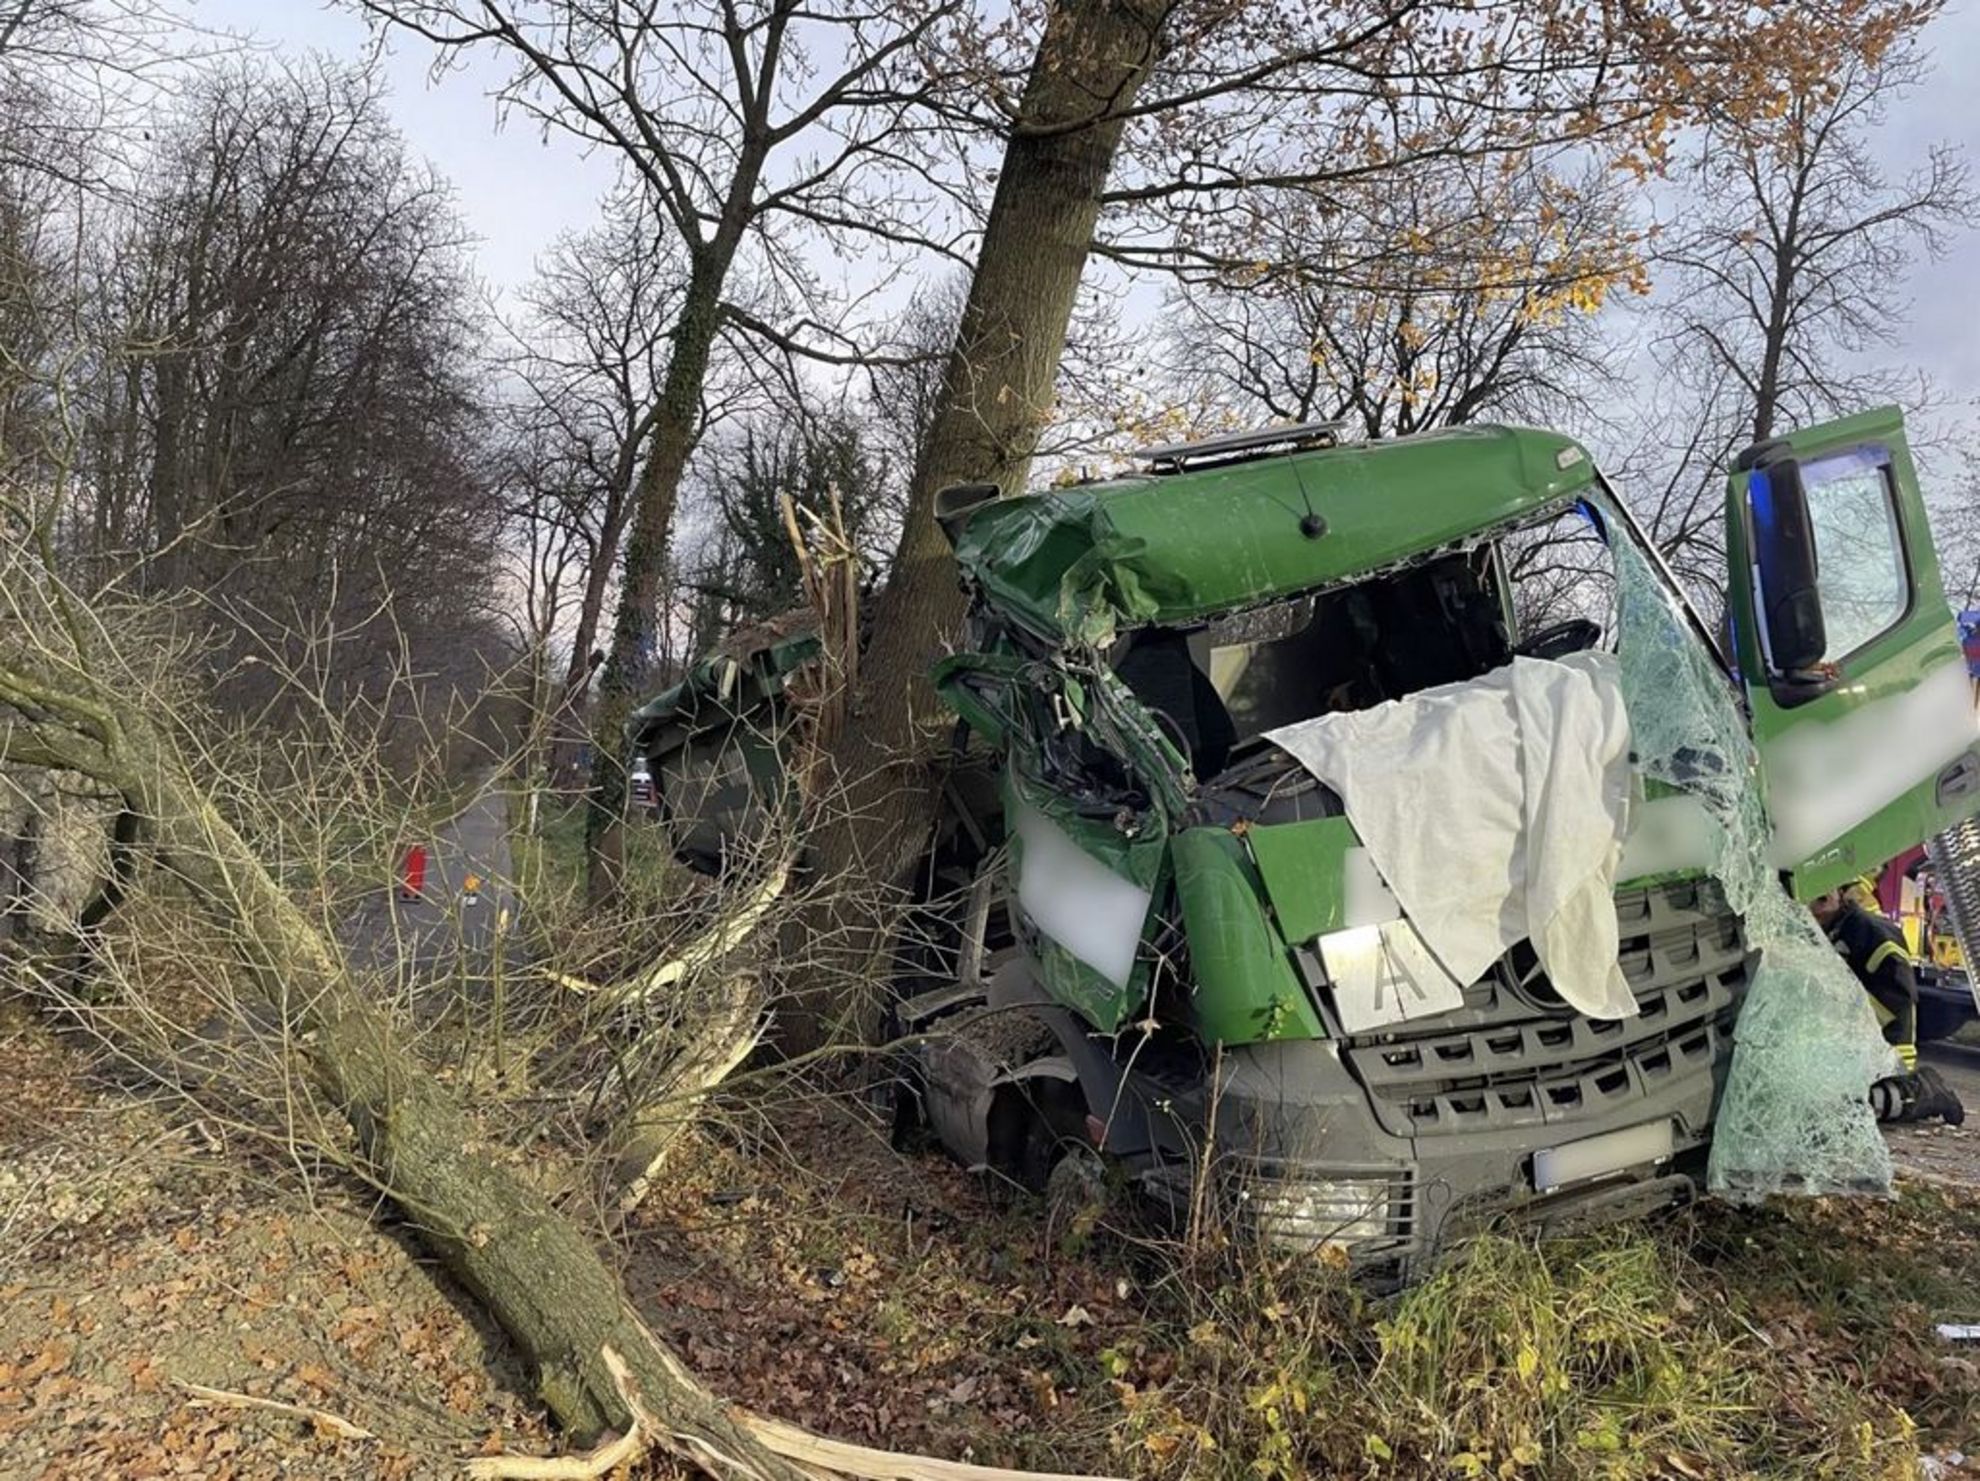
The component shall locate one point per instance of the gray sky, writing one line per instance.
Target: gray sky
(1942, 335)
(517, 191)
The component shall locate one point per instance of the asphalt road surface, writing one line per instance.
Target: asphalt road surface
(443, 929)
(1944, 1151)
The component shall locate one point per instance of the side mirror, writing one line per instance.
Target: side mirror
(957, 502)
(1786, 595)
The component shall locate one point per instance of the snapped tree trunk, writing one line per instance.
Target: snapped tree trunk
(996, 397)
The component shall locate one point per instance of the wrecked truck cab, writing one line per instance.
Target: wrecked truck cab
(1160, 934)
(1185, 902)
(716, 744)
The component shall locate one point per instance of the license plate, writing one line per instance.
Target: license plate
(1593, 1156)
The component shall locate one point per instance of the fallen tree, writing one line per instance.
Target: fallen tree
(534, 1270)
(72, 700)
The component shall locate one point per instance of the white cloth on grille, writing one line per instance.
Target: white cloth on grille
(1495, 810)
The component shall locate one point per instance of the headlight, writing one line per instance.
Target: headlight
(1308, 1214)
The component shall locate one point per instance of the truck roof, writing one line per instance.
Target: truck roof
(1084, 562)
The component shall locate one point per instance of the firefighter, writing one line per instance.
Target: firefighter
(1873, 945)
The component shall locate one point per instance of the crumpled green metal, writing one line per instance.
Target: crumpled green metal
(1795, 1116)
(1077, 566)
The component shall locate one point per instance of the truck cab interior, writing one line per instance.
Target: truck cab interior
(1219, 686)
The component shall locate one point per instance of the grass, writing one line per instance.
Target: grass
(549, 861)
(1726, 1343)
(1789, 1342)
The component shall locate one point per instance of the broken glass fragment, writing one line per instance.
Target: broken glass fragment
(1795, 1117)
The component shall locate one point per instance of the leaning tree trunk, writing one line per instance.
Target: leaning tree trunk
(629, 660)
(676, 424)
(535, 1271)
(996, 396)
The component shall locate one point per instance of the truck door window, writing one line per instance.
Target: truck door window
(1859, 552)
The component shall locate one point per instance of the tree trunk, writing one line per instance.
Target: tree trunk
(566, 730)
(533, 1269)
(996, 397)
(676, 424)
(629, 661)
(20, 846)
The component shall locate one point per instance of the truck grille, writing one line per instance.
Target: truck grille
(1955, 856)
(1514, 1055)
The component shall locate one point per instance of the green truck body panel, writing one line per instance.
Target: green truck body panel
(1080, 564)
(1303, 868)
(982, 689)
(1142, 860)
(722, 685)
(1245, 988)
(1922, 642)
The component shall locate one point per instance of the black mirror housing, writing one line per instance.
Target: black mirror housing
(957, 502)
(1787, 592)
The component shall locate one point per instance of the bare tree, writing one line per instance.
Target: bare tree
(282, 421)
(746, 125)
(77, 77)
(1956, 527)
(1453, 292)
(230, 863)
(589, 355)
(1793, 264)
(1779, 287)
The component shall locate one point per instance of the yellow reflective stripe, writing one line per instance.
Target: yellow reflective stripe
(1908, 1056)
(1884, 952)
(1884, 1015)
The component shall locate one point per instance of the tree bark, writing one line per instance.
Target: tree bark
(996, 396)
(536, 1272)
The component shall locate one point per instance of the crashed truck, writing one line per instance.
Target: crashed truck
(1374, 828)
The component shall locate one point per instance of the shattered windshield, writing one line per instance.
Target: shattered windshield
(1545, 588)
(1795, 1116)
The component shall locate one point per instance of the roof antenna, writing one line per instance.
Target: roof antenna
(1312, 525)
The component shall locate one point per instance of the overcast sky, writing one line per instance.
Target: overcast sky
(517, 191)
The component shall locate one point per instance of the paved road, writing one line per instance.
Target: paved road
(441, 930)
(1945, 1151)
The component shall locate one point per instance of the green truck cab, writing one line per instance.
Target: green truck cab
(1142, 915)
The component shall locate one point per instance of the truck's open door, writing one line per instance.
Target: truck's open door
(1862, 707)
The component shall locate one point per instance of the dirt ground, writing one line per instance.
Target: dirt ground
(140, 1254)
(799, 1265)
(816, 1275)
